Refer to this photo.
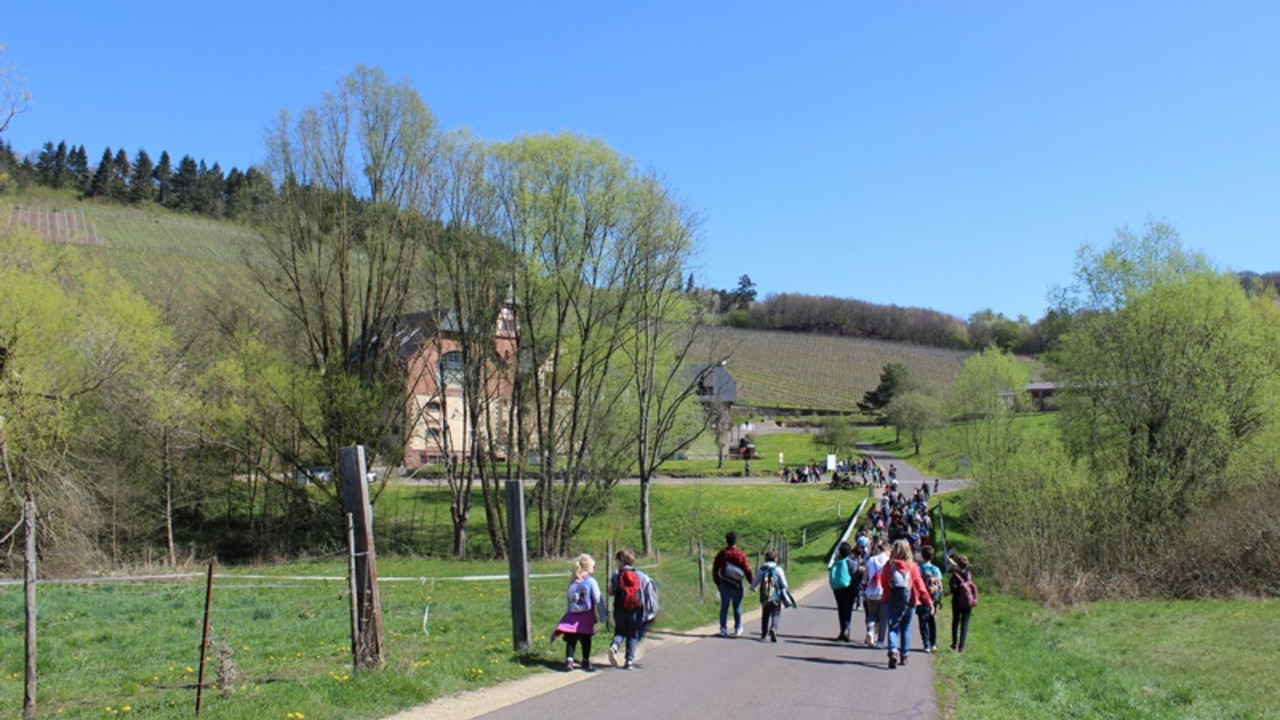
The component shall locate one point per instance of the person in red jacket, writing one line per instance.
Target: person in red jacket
(903, 589)
(730, 570)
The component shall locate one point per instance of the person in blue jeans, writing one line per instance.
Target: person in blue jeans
(730, 570)
(904, 589)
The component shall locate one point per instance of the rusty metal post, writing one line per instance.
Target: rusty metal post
(204, 635)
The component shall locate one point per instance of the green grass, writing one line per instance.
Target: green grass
(1152, 659)
(943, 447)
(112, 646)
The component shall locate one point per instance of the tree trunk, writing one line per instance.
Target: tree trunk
(166, 471)
(646, 523)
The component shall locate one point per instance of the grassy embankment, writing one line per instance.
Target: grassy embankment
(1152, 658)
(1149, 658)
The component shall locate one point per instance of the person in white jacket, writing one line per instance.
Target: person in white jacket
(872, 596)
(771, 581)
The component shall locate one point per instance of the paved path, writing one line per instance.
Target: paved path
(804, 676)
(697, 674)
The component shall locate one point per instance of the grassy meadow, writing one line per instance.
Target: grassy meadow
(282, 642)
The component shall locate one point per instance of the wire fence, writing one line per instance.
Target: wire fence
(281, 637)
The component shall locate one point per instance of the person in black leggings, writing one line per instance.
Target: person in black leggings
(960, 610)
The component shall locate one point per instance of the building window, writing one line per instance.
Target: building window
(451, 368)
(433, 406)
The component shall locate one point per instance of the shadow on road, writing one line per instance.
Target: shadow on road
(833, 661)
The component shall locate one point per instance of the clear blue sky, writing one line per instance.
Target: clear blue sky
(950, 155)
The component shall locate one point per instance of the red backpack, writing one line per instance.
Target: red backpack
(628, 590)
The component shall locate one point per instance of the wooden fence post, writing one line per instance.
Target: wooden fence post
(367, 650)
(518, 562)
(29, 587)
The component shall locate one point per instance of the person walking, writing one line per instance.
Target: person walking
(579, 621)
(729, 570)
(929, 615)
(903, 589)
(626, 587)
(873, 594)
(772, 583)
(844, 582)
(964, 596)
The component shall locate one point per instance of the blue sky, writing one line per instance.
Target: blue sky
(936, 154)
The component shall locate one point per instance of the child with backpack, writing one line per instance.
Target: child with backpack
(928, 615)
(627, 588)
(772, 583)
(579, 621)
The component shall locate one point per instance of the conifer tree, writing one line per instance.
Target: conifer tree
(185, 182)
(78, 166)
(120, 176)
(163, 175)
(61, 176)
(212, 185)
(141, 188)
(45, 164)
(100, 186)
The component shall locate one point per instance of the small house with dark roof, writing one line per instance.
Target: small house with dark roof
(715, 384)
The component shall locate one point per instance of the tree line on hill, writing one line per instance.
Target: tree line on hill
(846, 317)
(190, 186)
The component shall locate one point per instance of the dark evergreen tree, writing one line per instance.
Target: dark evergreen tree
(141, 186)
(248, 194)
(163, 175)
(895, 379)
(186, 184)
(120, 176)
(45, 164)
(78, 166)
(61, 174)
(100, 186)
(212, 185)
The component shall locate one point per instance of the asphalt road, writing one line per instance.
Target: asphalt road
(697, 674)
(805, 675)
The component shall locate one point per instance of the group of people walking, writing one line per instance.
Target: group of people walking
(888, 572)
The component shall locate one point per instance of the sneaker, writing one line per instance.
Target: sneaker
(926, 649)
(903, 661)
(724, 632)
(629, 666)
(587, 666)
(868, 641)
(613, 655)
(570, 665)
(773, 636)
(893, 659)
(737, 632)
